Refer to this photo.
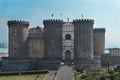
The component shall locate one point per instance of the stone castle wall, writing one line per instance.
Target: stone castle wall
(48, 42)
(99, 41)
(107, 59)
(53, 38)
(18, 33)
(35, 43)
(83, 38)
(23, 64)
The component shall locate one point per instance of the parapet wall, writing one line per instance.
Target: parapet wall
(11, 22)
(99, 30)
(84, 20)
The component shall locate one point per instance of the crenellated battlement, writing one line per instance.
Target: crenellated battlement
(11, 22)
(84, 20)
(49, 21)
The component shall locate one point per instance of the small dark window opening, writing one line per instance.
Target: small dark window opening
(52, 49)
(67, 37)
(14, 48)
(52, 54)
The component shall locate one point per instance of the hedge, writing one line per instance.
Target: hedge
(23, 72)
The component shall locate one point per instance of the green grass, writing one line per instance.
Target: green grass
(24, 77)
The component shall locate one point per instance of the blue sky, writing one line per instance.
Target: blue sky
(106, 13)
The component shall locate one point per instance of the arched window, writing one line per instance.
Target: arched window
(67, 37)
(68, 52)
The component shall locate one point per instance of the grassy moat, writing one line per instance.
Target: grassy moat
(112, 75)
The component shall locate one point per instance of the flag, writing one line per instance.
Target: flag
(52, 15)
(82, 15)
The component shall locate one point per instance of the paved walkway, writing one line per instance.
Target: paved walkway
(65, 73)
(51, 75)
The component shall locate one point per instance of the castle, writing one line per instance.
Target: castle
(58, 41)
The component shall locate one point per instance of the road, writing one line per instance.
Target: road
(65, 73)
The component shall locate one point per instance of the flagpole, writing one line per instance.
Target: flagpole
(52, 15)
(82, 16)
(61, 15)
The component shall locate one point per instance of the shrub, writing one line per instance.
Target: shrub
(84, 76)
(102, 78)
(111, 72)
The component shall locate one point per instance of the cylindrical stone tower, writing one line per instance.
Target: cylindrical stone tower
(99, 41)
(18, 33)
(53, 38)
(83, 38)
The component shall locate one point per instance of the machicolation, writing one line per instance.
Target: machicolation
(11, 22)
(52, 21)
(84, 20)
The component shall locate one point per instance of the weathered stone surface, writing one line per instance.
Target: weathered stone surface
(109, 60)
(83, 38)
(36, 43)
(99, 41)
(68, 41)
(18, 33)
(38, 48)
(21, 64)
(53, 38)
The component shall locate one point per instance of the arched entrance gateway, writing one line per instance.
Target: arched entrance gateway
(68, 55)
